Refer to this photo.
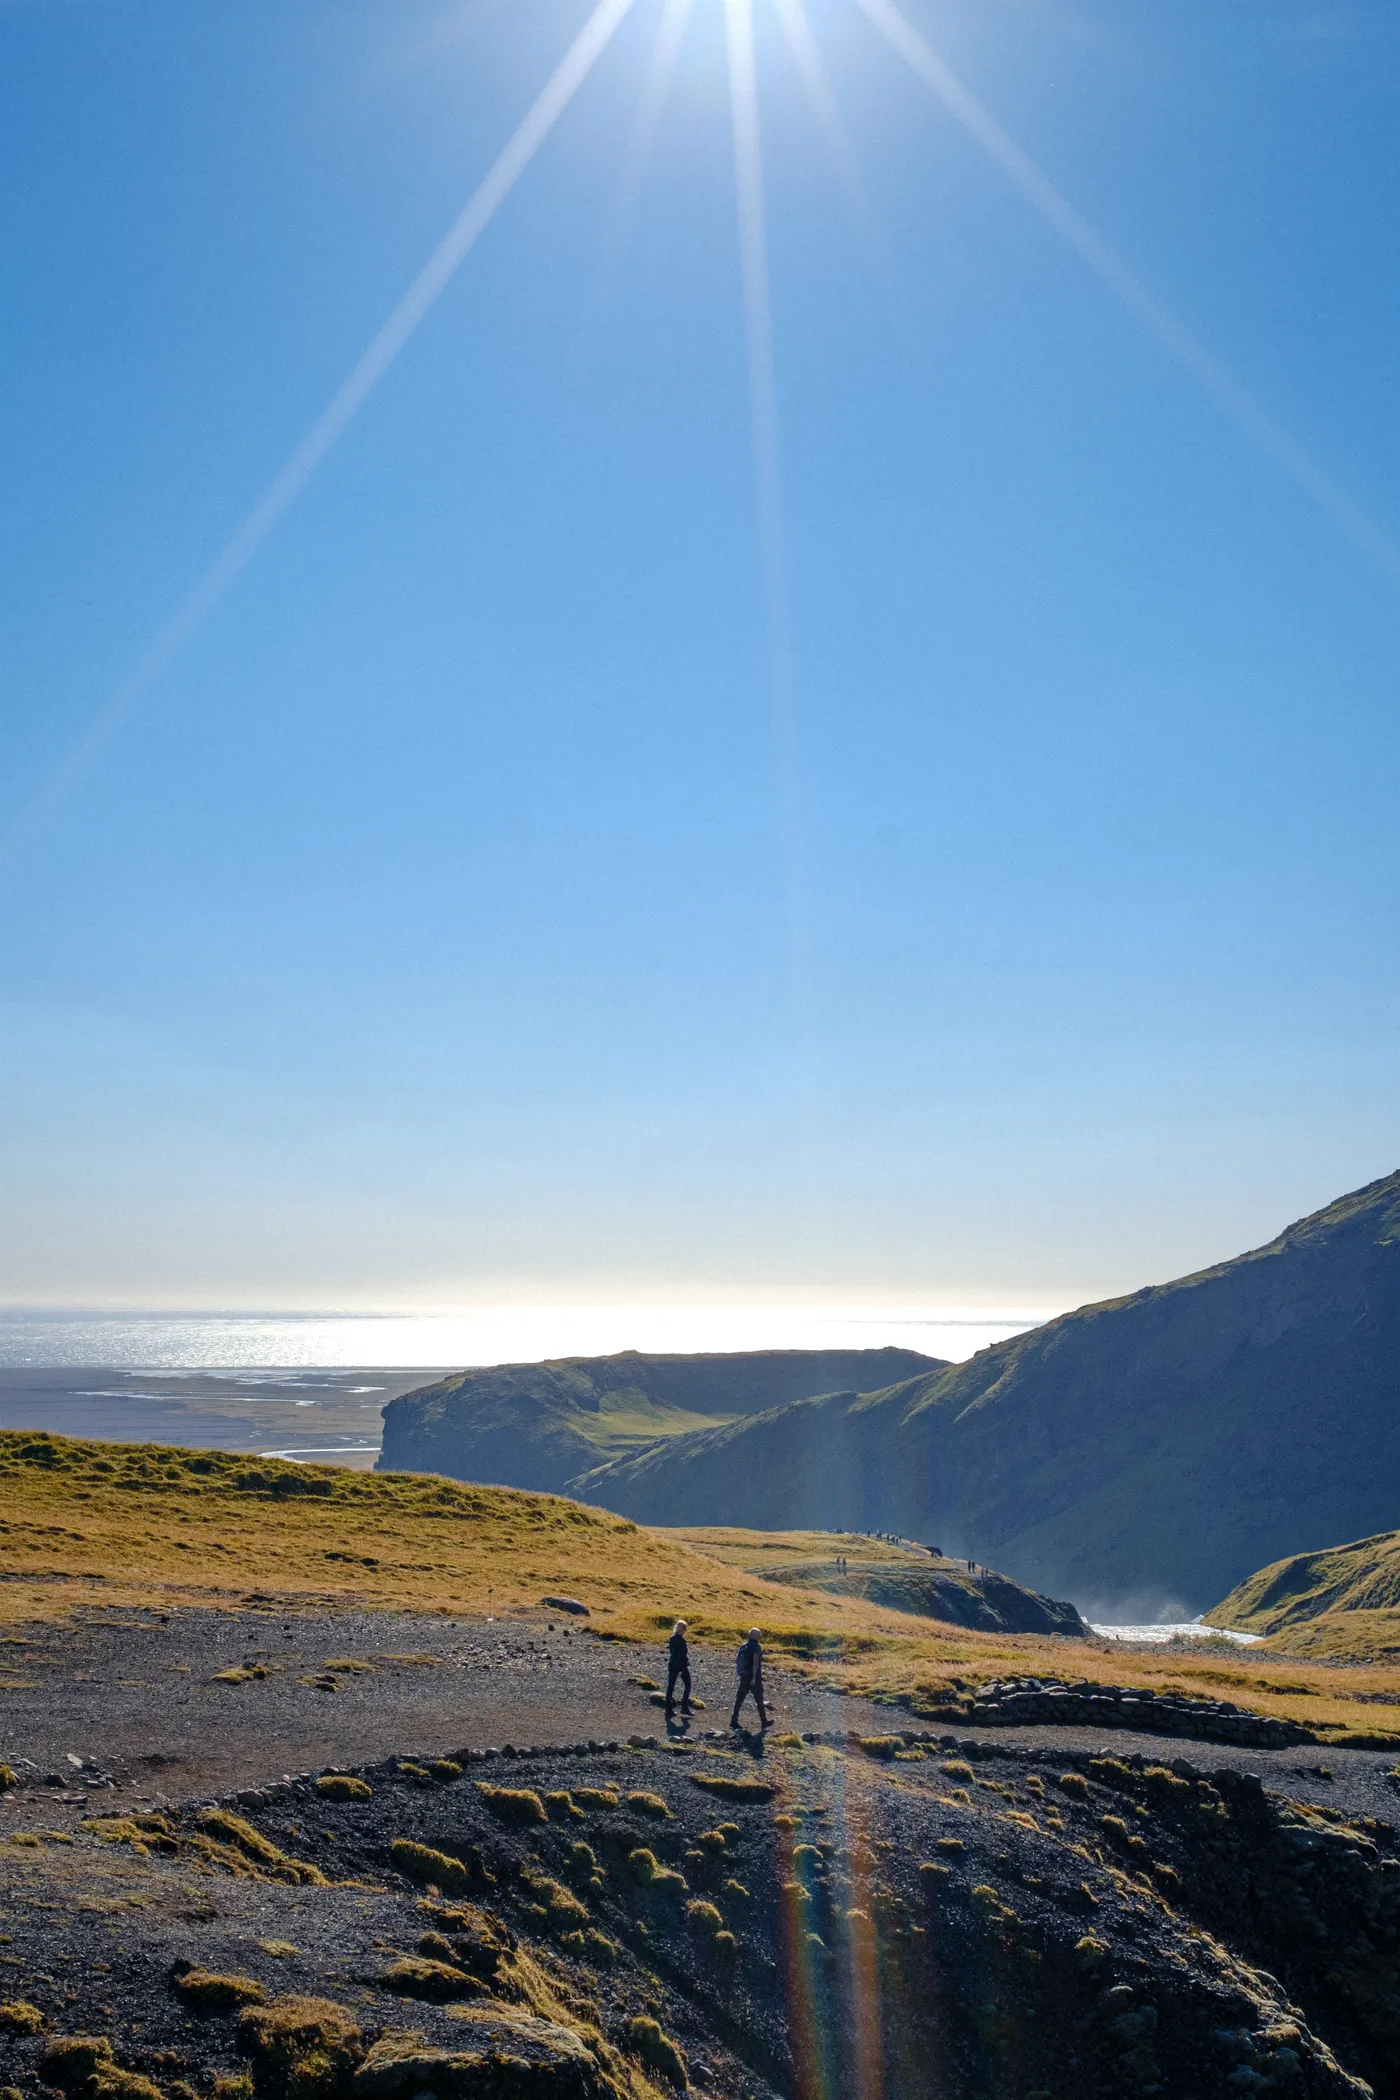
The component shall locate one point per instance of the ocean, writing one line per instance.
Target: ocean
(311, 1386)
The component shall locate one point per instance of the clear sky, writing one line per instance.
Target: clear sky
(473, 906)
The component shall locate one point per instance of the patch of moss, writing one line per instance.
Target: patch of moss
(596, 1797)
(643, 1804)
(206, 1991)
(434, 1869)
(444, 1770)
(1074, 1783)
(1111, 1771)
(83, 2066)
(18, 2016)
(562, 1907)
(733, 1789)
(300, 2048)
(561, 1803)
(421, 1976)
(656, 2049)
(343, 1786)
(519, 1805)
(646, 1868)
(234, 1831)
(236, 2085)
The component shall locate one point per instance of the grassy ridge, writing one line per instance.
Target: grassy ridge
(89, 1523)
(1343, 1601)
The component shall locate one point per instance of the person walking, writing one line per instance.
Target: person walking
(677, 1669)
(748, 1668)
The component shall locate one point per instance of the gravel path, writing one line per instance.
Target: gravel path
(136, 1697)
(138, 1694)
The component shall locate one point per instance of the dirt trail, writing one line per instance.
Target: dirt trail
(138, 1697)
(145, 1697)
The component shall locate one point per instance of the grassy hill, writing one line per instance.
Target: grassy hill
(123, 1525)
(548, 1425)
(1343, 1601)
(1140, 1456)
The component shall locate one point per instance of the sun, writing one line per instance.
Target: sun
(912, 48)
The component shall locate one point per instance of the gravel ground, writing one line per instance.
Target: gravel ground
(137, 1694)
(969, 1929)
(134, 1695)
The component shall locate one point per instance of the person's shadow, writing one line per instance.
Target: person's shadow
(750, 1741)
(678, 1725)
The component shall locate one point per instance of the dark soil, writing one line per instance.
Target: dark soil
(916, 1915)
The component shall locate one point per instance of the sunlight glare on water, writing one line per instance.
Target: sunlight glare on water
(488, 1334)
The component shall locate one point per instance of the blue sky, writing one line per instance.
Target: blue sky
(448, 922)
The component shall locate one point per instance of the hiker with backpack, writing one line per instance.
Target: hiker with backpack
(748, 1668)
(677, 1669)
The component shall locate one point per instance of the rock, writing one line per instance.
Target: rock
(569, 1604)
(503, 2055)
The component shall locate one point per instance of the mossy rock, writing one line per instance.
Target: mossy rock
(433, 1869)
(513, 1804)
(642, 1804)
(563, 1907)
(18, 2016)
(343, 1786)
(207, 1991)
(656, 2049)
(300, 2048)
(439, 1982)
(83, 2066)
(645, 1868)
(596, 1797)
(502, 2055)
(71, 2061)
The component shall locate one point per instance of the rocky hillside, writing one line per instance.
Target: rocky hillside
(1140, 1456)
(926, 1917)
(1343, 1601)
(541, 1425)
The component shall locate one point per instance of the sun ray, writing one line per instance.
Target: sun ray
(821, 99)
(655, 94)
(1227, 393)
(767, 457)
(282, 491)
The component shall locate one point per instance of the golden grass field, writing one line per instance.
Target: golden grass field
(130, 1525)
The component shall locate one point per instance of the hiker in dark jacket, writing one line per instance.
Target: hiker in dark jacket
(748, 1668)
(677, 1669)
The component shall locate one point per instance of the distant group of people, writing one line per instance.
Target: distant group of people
(748, 1672)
